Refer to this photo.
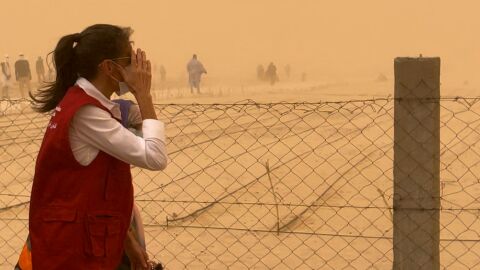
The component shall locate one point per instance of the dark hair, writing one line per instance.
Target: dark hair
(79, 55)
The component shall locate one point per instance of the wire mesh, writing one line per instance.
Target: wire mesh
(270, 186)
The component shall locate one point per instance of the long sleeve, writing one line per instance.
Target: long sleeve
(94, 128)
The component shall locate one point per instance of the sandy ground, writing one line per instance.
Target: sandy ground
(323, 203)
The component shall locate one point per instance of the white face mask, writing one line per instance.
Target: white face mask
(122, 89)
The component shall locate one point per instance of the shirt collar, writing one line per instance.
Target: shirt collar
(92, 91)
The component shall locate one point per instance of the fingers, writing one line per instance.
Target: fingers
(149, 76)
(138, 266)
(145, 259)
(149, 68)
(133, 58)
(138, 75)
(145, 254)
(120, 69)
(144, 60)
(139, 59)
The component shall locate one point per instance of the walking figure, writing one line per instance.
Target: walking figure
(195, 70)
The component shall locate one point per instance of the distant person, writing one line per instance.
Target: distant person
(195, 70)
(271, 74)
(260, 73)
(23, 74)
(304, 76)
(5, 77)
(40, 68)
(163, 74)
(288, 70)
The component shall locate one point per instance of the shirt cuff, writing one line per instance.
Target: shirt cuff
(152, 128)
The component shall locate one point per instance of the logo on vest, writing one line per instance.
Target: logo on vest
(57, 109)
(52, 125)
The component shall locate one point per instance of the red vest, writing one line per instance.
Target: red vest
(79, 215)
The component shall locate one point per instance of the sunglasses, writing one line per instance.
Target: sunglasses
(122, 58)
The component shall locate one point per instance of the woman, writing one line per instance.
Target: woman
(82, 196)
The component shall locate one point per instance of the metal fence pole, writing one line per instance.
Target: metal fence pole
(416, 171)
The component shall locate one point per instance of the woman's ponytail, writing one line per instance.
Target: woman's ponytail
(64, 58)
(79, 55)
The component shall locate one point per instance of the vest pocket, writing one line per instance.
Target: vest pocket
(103, 235)
(52, 214)
(58, 228)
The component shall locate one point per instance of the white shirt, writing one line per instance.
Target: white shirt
(93, 129)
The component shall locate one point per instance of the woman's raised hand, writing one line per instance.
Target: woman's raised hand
(138, 75)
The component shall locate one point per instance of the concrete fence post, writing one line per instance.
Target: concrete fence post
(416, 173)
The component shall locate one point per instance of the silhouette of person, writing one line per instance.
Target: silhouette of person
(5, 76)
(23, 74)
(195, 70)
(40, 69)
(271, 74)
(304, 76)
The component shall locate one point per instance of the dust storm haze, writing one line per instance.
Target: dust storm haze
(309, 184)
(328, 40)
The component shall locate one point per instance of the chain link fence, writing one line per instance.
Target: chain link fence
(271, 186)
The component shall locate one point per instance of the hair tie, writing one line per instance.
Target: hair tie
(76, 39)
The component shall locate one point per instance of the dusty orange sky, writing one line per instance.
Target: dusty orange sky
(324, 38)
